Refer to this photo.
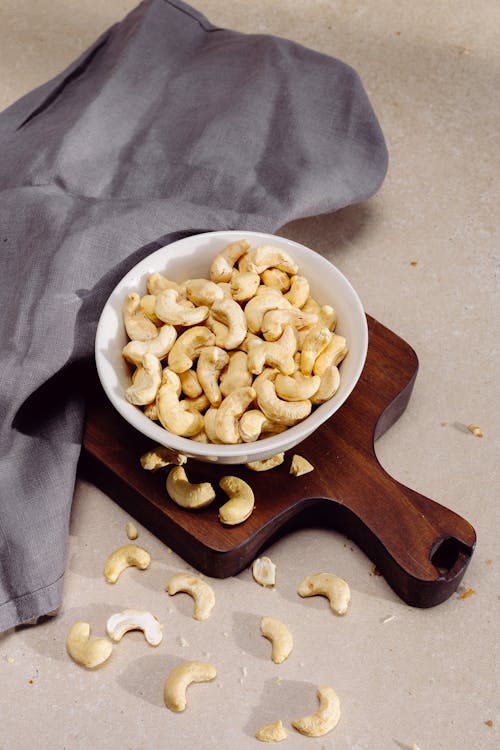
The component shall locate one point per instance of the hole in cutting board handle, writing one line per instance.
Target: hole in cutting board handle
(447, 554)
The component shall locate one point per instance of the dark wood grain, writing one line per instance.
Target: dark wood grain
(421, 547)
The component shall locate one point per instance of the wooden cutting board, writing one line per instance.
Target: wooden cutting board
(419, 546)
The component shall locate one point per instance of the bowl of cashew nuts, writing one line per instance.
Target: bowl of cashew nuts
(231, 346)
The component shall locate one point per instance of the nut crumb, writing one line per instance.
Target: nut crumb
(375, 571)
(10, 659)
(413, 263)
(465, 594)
(489, 562)
(182, 642)
(131, 530)
(476, 430)
(489, 723)
(388, 619)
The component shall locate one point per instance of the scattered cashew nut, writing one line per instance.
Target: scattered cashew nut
(264, 571)
(300, 466)
(280, 637)
(179, 679)
(327, 584)
(326, 717)
(130, 555)
(199, 590)
(241, 501)
(274, 732)
(89, 653)
(185, 494)
(135, 619)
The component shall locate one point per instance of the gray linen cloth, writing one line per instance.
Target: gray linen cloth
(165, 127)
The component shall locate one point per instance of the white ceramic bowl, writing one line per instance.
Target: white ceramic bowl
(191, 258)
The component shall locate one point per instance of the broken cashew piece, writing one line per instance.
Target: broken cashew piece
(131, 530)
(279, 635)
(179, 679)
(326, 717)
(135, 619)
(89, 653)
(266, 463)
(327, 584)
(185, 494)
(274, 732)
(300, 466)
(130, 555)
(241, 501)
(161, 456)
(264, 571)
(199, 590)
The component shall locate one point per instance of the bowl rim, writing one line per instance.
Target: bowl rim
(213, 451)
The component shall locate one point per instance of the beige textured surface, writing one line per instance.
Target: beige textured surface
(403, 675)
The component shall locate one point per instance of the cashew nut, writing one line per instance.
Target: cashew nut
(327, 584)
(268, 256)
(199, 590)
(277, 279)
(297, 386)
(332, 354)
(274, 732)
(137, 324)
(202, 291)
(160, 345)
(229, 312)
(244, 285)
(222, 265)
(326, 717)
(146, 381)
(185, 494)
(330, 381)
(211, 362)
(157, 282)
(179, 679)
(161, 456)
(300, 465)
(254, 423)
(188, 346)
(267, 298)
(278, 410)
(147, 305)
(315, 342)
(229, 412)
(273, 321)
(151, 411)
(190, 384)
(174, 414)
(87, 652)
(280, 637)
(273, 353)
(264, 571)
(219, 330)
(209, 422)
(199, 404)
(241, 501)
(168, 309)
(135, 619)
(236, 374)
(265, 464)
(299, 291)
(130, 555)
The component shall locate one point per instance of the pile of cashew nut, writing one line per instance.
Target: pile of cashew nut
(243, 354)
